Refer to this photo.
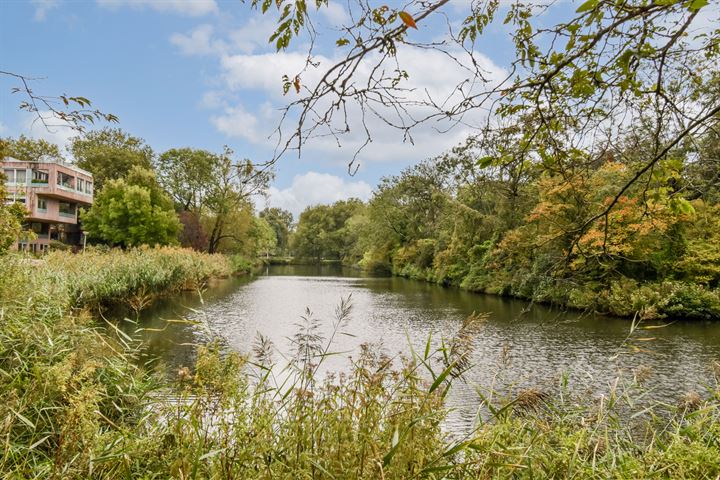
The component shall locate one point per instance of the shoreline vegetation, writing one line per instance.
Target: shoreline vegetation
(76, 403)
(668, 300)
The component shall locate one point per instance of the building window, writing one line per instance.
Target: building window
(40, 176)
(65, 180)
(80, 185)
(67, 209)
(88, 188)
(15, 175)
(42, 203)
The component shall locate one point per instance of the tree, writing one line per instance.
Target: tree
(234, 183)
(263, 237)
(322, 231)
(11, 217)
(132, 211)
(611, 64)
(281, 222)
(192, 234)
(110, 154)
(188, 175)
(29, 149)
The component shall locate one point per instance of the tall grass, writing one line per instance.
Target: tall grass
(100, 278)
(76, 403)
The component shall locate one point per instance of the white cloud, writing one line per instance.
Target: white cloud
(253, 35)
(238, 122)
(313, 188)
(335, 13)
(432, 75)
(204, 39)
(42, 7)
(193, 8)
(198, 42)
(212, 99)
(54, 130)
(249, 71)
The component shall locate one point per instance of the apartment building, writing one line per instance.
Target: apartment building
(52, 191)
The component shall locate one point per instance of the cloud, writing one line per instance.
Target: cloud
(238, 122)
(204, 39)
(313, 188)
(42, 7)
(192, 8)
(249, 70)
(253, 35)
(198, 42)
(432, 75)
(57, 131)
(335, 13)
(3, 128)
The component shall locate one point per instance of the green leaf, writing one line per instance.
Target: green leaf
(438, 381)
(485, 162)
(23, 418)
(587, 6)
(696, 5)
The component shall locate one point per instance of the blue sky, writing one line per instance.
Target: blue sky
(200, 73)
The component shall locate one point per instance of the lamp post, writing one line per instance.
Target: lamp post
(84, 235)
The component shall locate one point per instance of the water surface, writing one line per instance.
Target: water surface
(519, 346)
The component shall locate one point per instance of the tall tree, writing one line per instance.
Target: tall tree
(323, 232)
(11, 217)
(188, 175)
(234, 183)
(29, 149)
(110, 154)
(281, 222)
(132, 211)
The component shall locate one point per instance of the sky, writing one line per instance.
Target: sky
(201, 74)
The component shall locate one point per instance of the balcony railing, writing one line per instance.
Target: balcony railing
(67, 215)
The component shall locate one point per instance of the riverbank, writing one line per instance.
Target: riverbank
(667, 300)
(624, 297)
(76, 404)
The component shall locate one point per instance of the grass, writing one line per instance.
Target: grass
(75, 402)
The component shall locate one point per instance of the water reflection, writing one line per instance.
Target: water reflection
(519, 346)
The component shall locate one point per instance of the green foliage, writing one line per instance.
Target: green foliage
(502, 227)
(281, 222)
(109, 154)
(242, 265)
(29, 149)
(323, 232)
(132, 212)
(263, 237)
(11, 218)
(188, 175)
(234, 183)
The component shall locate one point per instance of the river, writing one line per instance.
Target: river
(519, 345)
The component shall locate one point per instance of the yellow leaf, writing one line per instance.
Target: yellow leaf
(408, 20)
(296, 82)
